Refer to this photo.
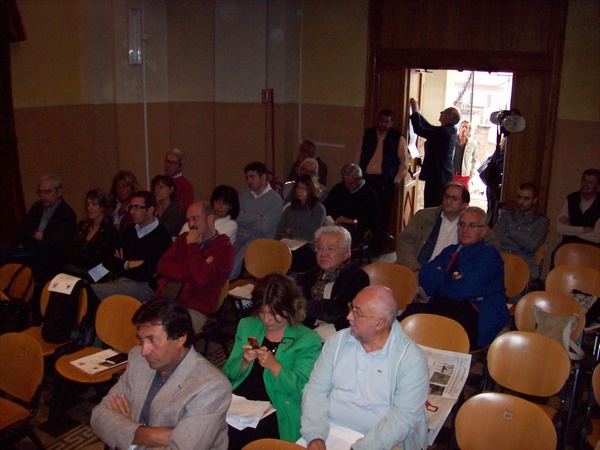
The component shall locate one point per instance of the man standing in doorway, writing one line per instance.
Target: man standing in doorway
(437, 167)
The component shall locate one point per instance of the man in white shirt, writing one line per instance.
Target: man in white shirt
(260, 211)
(370, 378)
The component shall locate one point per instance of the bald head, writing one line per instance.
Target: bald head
(382, 302)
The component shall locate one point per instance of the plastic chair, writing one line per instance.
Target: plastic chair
(16, 281)
(21, 374)
(436, 331)
(271, 444)
(494, 421)
(566, 277)
(594, 437)
(516, 274)
(49, 348)
(262, 257)
(115, 329)
(578, 254)
(400, 279)
(214, 324)
(530, 364)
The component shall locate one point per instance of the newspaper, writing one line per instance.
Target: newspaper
(244, 413)
(339, 438)
(244, 291)
(448, 373)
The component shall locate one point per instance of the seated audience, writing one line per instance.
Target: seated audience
(301, 219)
(174, 163)
(354, 205)
(370, 378)
(433, 229)
(48, 225)
(137, 252)
(466, 282)
(169, 214)
(200, 260)
(124, 184)
(579, 218)
(94, 237)
(277, 370)
(260, 211)
(307, 150)
(169, 396)
(309, 166)
(333, 284)
(226, 205)
(521, 230)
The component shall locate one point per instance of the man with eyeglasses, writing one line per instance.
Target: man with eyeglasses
(184, 191)
(329, 287)
(45, 230)
(433, 229)
(370, 378)
(140, 246)
(466, 282)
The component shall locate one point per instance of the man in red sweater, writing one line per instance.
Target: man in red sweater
(201, 260)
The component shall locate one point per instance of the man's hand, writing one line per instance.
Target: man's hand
(152, 436)
(193, 237)
(414, 105)
(316, 444)
(343, 219)
(564, 220)
(402, 172)
(38, 235)
(120, 404)
(119, 253)
(135, 263)
(210, 259)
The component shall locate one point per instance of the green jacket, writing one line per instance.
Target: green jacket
(297, 353)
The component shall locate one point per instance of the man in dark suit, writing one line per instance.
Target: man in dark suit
(48, 225)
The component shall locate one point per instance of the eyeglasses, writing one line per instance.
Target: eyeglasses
(471, 225)
(454, 198)
(329, 248)
(44, 192)
(171, 162)
(138, 207)
(358, 315)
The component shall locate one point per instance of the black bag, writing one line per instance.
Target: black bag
(61, 315)
(14, 315)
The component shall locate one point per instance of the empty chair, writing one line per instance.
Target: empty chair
(516, 274)
(578, 254)
(529, 363)
(16, 281)
(271, 444)
(493, 421)
(21, 373)
(566, 277)
(400, 279)
(436, 331)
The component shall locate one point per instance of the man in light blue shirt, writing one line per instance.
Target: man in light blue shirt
(370, 378)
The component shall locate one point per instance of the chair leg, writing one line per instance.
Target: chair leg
(35, 439)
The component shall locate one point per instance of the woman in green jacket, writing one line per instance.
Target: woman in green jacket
(279, 369)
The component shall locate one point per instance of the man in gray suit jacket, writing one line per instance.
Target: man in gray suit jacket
(169, 396)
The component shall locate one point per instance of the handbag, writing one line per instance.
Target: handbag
(558, 328)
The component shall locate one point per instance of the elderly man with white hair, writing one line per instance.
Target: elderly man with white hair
(184, 191)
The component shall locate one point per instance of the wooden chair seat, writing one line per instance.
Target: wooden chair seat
(516, 274)
(11, 413)
(272, 444)
(566, 277)
(48, 348)
(72, 373)
(578, 254)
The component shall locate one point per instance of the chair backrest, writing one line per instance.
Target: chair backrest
(578, 255)
(528, 363)
(81, 309)
(566, 277)
(271, 444)
(596, 384)
(16, 281)
(21, 365)
(516, 274)
(221, 298)
(400, 279)
(113, 322)
(436, 332)
(265, 256)
(550, 302)
(494, 421)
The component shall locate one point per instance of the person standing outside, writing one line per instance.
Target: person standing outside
(466, 155)
(383, 159)
(437, 169)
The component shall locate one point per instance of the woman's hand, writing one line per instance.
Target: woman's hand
(248, 355)
(266, 359)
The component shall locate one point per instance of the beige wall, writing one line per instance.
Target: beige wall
(79, 105)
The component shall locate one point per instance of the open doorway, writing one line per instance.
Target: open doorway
(476, 95)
